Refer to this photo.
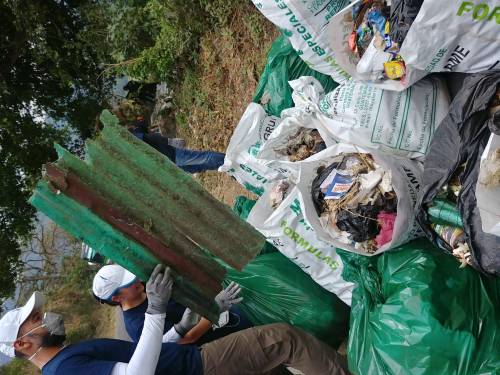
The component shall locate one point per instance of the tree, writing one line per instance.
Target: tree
(43, 255)
(52, 54)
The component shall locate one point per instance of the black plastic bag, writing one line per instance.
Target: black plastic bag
(403, 13)
(461, 138)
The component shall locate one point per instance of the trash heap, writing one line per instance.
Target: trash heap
(354, 199)
(373, 41)
(413, 38)
(457, 209)
(350, 179)
(303, 144)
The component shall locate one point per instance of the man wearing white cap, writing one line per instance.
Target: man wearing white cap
(114, 285)
(29, 315)
(258, 350)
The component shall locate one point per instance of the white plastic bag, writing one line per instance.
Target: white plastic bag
(454, 36)
(400, 123)
(241, 162)
(340, 29)
(290, 233)
(488, 193)
(307, 92)
(406, 181)
(307, 24)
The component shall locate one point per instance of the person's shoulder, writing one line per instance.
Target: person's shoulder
(75, 359)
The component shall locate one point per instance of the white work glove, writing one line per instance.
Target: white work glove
(228, 297)
(159, 290)
(188, 321)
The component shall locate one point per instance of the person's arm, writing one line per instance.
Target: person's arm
(224, 300)
(196, 332)
(146, 354)
(171, 336)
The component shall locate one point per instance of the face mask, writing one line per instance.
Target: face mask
(54, 323)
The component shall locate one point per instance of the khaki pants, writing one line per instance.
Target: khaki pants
(261, 350)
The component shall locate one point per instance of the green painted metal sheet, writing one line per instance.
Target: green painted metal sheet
(83, 224)
(149, 190)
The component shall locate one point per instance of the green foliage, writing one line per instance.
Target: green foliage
(154, 40)
(218, 10)
(16, 367)
(51, 56)
(254, 24)
(189, 95)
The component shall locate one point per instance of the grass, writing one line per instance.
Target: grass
(215, 92)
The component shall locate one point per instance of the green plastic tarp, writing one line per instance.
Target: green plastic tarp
(284, 64)
(276, 290)
(415, 311)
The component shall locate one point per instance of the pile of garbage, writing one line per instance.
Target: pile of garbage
(456, 209)
(301, 145)
(373, 41)
(355, 198)
(351, 179)
(414, 38)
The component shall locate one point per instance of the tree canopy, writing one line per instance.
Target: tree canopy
(51, 89)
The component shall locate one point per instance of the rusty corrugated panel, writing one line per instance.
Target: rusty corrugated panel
(144, 198)
(134, 208)
(71, 186)
(83, 224)
(189, 208)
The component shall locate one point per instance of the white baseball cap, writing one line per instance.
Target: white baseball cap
(109, 279)
(13, 319)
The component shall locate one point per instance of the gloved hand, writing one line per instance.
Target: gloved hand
(188, 321)
(159, 290)
(228, 297)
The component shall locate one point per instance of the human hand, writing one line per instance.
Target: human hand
(228, 297)
(159, 290)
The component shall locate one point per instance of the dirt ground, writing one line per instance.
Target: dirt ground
(215, 94)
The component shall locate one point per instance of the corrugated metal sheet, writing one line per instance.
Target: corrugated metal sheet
(151, 210)
(83, 224)
(71, 186)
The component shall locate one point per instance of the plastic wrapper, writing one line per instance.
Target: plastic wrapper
(444, 212)
(414, 312)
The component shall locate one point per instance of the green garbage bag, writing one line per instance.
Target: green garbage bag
(276, 290)
(242, 206)
(416, 312)
(283, 65)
